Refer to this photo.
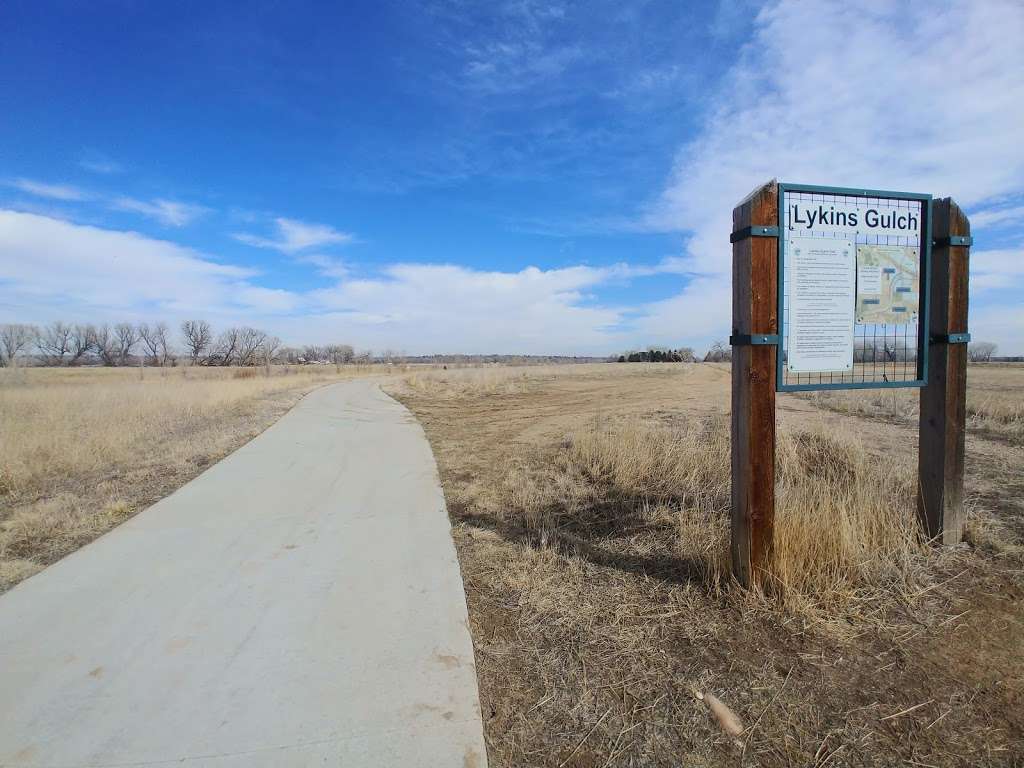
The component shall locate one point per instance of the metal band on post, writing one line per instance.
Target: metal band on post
(965, 241)
(951, 338)
(753, 231)
(757, 339)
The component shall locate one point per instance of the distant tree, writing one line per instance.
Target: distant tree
(198, 336)
(250, 346)
(622, 358)
(339, 353)
(82, 342)
(157, 340)
(687, 355)
(718, 353)
(14, 339)
(105, 344)
(225, 349)
(126, 336)
(53, 343)
(271, 349)
(981, 351)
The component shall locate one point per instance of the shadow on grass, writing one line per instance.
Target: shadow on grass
(589, 544)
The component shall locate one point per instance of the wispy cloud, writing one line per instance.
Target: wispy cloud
(168, 212)
(998, 269)
(98, 163)
(62, 269)
(997, 216)
(328, 266)
(54, 268)
(64, 192)
(294, 236)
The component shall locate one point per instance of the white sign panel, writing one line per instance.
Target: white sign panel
(860, 217)
(822, 279)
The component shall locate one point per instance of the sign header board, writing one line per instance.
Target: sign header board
(853, 218)
(852, 293)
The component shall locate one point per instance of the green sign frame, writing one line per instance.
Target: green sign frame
(924, 287)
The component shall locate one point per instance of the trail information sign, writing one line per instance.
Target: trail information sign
(831, 289)
(851, 267)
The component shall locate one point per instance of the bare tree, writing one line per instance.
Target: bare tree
(126, 336)
(718, 353)
(14, 338)
(687, 355)
(156, 338)
(250, 346)
(53, 343)
(339, 353)
(105, 344)
(271, 349)
(82, 342)
(225, 350)
(981, 351)
(198, 335)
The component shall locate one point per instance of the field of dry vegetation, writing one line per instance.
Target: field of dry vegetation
(590, 507)
(82, 449)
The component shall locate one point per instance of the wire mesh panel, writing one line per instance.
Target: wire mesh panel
(852, 288)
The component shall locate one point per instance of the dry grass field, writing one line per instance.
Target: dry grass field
(590, 507)
(82, 449)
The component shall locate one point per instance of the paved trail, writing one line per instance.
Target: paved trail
(298, 604)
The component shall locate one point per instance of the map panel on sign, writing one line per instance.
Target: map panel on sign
(888, 284)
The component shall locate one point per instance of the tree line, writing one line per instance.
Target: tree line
(154, 344)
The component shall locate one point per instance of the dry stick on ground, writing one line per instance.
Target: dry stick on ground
(908, 710)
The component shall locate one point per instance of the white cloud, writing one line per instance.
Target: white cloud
(905, 96)
(294, 236)
(64, 192)
(328, 266)
(167, 212)
(51, 269)
(428, 307)
(54, 269)
(996, 269)
(995, 216)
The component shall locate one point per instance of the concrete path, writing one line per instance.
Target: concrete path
(298, 604)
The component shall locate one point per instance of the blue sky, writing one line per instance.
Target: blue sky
(546, 177)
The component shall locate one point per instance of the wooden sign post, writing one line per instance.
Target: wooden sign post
(870, 301)
(755, 325)
(944, 398)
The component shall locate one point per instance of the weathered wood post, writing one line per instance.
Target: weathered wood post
(755, 325)
(944, 398)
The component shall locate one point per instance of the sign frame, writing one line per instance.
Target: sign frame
(924, 287)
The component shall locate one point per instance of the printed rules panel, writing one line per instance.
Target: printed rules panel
(823, 283)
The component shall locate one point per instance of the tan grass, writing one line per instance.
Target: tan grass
(994, 403)
(591, 519)
(82, 449)
(845, 525)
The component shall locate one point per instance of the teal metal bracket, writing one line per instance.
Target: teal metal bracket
(753, 231)
(951, 338)
(754, 339)
(963, 240)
